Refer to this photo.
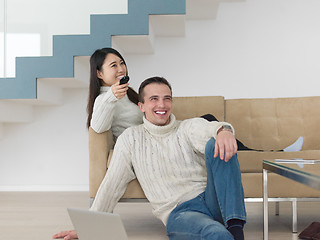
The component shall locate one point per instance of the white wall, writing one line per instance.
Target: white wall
(255, 48)
(51, 152)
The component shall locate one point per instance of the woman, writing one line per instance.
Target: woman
(111, 105)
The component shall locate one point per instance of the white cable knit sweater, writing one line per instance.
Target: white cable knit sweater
(111, 113)
(167, 160)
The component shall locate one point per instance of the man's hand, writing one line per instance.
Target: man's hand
(119, 91)
(226, 145)
(66, 235)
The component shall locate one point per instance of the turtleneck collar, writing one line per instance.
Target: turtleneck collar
(160, 130)
(104, 88)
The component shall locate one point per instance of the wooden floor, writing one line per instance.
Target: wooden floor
(37, 216)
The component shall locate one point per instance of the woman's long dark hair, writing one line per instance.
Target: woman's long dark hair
(96, 62)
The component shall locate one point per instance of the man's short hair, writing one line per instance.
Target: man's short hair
(158, 80)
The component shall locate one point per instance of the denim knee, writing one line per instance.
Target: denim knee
(209, 150)
(216, 231)
(196, 226)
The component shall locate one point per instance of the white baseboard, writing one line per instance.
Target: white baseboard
(45, 188)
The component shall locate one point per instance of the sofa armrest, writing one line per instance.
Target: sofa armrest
(100, 145)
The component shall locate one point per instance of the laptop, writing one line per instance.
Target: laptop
(92, 225)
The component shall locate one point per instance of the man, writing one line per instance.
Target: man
(196, 198)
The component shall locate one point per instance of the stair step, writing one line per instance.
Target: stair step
(202, 9)
(168, 25)
(80, 80)
(134, 44)
(159, 26)
(62, 83)
(47, 94)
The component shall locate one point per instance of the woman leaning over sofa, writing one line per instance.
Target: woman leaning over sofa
(111, 105)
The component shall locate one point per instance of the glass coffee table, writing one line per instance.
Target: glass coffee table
(301, 171)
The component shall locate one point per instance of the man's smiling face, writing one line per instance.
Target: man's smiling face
(157, 103)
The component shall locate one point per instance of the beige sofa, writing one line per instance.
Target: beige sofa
(274, 124)
(267, 124)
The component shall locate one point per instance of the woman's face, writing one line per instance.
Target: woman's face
(112, 70)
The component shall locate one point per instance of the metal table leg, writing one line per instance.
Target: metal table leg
(265, 205)
(294, 216)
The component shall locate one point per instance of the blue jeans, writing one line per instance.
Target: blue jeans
(206, 216)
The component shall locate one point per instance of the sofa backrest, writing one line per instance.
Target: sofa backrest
(189, 107)
(275, 123)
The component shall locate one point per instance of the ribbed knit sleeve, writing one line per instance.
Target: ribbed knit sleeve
(103, 111)
(198, 131)
(114, 184)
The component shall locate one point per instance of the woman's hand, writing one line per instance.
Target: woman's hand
(119, 91)
(66, 235)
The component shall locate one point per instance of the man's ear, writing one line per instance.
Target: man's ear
(141, 107)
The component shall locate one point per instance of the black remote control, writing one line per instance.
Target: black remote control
(124, 80)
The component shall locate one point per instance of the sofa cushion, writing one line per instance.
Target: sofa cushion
(275, 123)
(99, 144)
(190, 107)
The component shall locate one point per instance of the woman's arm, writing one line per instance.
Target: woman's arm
(103, 111)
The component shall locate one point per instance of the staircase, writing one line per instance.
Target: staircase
(40, 81)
